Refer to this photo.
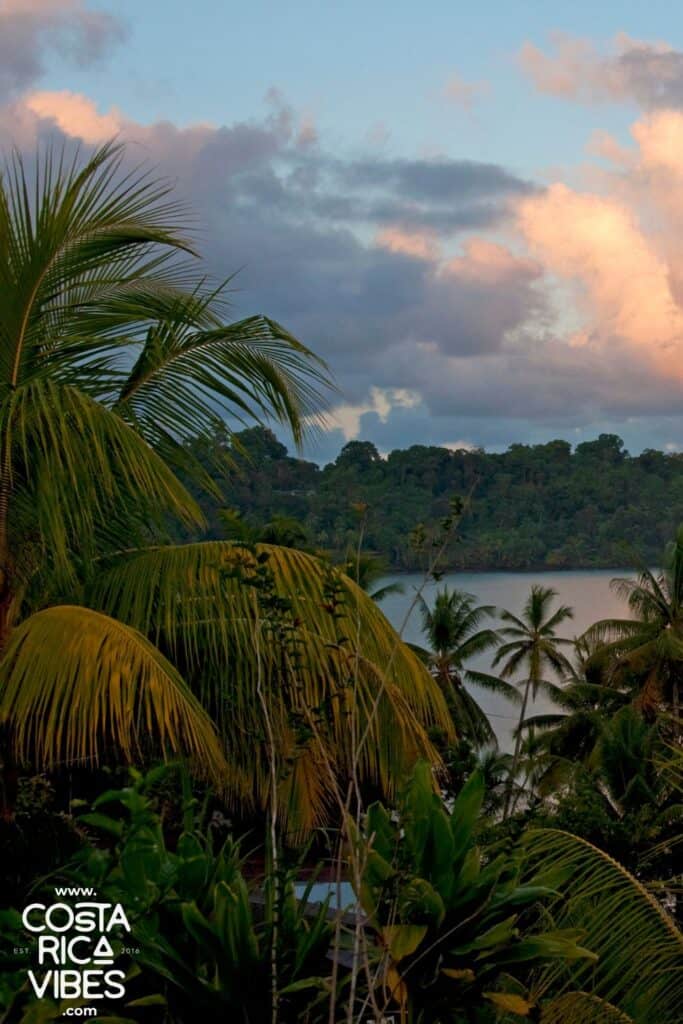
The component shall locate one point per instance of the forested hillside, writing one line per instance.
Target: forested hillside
(532, 506)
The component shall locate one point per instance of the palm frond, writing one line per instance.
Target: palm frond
(320, 646)
(77, 687)
(82, 464)
(617, 915)
(186, 373)
(494, 684)
(582, 1008)
(544, 721)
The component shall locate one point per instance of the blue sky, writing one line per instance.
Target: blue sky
(357, 64)
(471, 212)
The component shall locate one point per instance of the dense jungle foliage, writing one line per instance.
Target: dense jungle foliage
(533, 506)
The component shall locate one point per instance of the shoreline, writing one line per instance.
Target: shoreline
(505, 570)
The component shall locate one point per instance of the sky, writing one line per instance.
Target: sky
(473, 213)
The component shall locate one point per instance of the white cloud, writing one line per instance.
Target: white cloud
(347, 418)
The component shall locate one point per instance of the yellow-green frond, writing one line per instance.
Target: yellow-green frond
(618, 916)
(77, 686)
(327, 659)
(582, 1008)
(83, 467)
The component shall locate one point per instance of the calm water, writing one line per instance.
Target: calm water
(586, 591)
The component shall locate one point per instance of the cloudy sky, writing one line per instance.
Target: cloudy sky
(473, 212)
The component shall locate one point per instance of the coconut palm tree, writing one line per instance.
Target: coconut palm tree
(533, 647)
(644, 654)
(453, 629)
(569, 737)
(113, 351)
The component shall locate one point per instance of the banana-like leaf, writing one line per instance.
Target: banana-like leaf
(337, 681)
(76, 685)
(639, 970)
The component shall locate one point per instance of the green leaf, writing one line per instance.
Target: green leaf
(150, 1000)
(380, 827)
(304, 984)
(498, 935)
(510, 1003)
(102, 822)
(402, 939)
(464, 816)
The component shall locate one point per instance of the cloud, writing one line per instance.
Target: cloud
(421, 244)
(347, 418)
(625, 286)
(30, 29)
(75, 115)
(440, 178)
(458, 446)
(651, 74)
(347, 252)
(464, 94)
(452, 298)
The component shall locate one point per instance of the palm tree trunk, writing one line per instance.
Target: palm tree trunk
(518, 744)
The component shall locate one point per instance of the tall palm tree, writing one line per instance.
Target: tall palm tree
(570, 736)
(113, 351)
(533, 647)
(644, 654)
(453, 627)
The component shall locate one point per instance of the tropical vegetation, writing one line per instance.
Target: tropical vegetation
(206, 718)
(545, 506)
(115, 349)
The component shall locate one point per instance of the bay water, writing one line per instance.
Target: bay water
(586, 591)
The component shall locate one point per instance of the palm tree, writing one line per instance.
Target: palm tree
(453, 629)
(644, 654)
(113, 351)
(569, 737)
(533, 647)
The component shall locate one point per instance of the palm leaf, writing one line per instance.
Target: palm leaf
(494, 684)
(333, 660)
(112, 351)
(582, 1008)
(82, 465)
(618, 916)
(188, 372)
(76, 686)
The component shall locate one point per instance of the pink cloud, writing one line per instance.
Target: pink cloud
(489, 264)
(623, 283)
(464, 94)
(487, 305)
(75, 115)
(651, 73)
(420, 244)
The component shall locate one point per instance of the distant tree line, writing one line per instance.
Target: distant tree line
(530, 507)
